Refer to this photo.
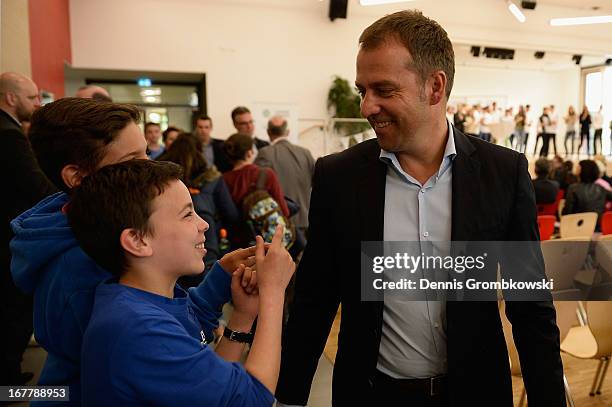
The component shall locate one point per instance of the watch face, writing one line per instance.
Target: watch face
(203, 338)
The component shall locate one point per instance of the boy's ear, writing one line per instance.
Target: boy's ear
(72, 176)
(133, 242)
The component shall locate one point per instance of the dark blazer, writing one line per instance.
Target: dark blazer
(7, 122)
(347, 207)
(259, 143)
(24, 183)
(221, 161)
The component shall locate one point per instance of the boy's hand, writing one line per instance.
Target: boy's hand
(274, 268)
(232, 260)
(244, 292)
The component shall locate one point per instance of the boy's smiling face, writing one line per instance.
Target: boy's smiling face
(177, 232)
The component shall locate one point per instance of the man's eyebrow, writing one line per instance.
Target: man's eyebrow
(187, 206)
(377, 84)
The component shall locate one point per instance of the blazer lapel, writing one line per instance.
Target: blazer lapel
(370, 198)
(466, 189)
(371, 195)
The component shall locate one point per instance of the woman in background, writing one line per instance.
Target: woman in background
(585, 129)
(570, 129)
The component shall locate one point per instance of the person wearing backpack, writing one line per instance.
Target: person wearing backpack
(209, 193)
(246, 180)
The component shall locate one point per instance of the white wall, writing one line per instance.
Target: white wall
(278, 51)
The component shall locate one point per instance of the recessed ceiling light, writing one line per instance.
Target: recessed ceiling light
(581, 20)
(377, 2)
(516, 12)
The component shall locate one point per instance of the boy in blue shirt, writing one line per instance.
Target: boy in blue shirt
(144, 344)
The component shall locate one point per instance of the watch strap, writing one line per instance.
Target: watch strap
(236, 336)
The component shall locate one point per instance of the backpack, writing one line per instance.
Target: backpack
(263, 213)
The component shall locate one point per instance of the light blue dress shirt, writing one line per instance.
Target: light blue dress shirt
(413, 340)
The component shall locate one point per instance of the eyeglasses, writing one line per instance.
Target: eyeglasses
(245, 123)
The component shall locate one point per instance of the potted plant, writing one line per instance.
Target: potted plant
(343, 102)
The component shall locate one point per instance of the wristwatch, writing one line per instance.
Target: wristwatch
(235, 336)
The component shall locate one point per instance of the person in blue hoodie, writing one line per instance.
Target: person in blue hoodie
(144, 343)
(72, 138)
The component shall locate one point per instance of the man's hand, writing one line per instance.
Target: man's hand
(232, 260)
(244, 292)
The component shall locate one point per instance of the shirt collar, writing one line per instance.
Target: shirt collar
(279, 139)
(450, 152)
(12, 117)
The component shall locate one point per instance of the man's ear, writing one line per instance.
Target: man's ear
(10, 98)
(438, 87)
(133, 242)
(72, 175)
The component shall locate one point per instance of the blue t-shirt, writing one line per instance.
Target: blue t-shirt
(144, 349)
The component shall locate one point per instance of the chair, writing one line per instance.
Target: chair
(563, 259)
(551, 208)
(578, 225)
(593, 341)
(602, 272)
(606, 223)
(546, 224)
(515, 364)
(560, 208)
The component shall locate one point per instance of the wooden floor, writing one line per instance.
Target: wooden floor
(579, 373)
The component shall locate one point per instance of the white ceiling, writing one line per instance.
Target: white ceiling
(601, 5)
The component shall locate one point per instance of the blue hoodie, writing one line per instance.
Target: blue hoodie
(48, 262)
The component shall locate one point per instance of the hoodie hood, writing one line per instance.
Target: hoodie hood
(41, 234)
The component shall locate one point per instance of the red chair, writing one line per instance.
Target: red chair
(606, 223)
(546, 224)
(551, 208)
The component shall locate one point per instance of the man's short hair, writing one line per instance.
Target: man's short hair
(204, 117)
(542, 167)
(238, 111)
(115, 198)
(425, 39)
(149, 124)
(277, 130)
(76, 131)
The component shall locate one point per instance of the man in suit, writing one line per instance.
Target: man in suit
(294, 166)
(24, 185)
(213, 148)
(424, 181)
(244, 124)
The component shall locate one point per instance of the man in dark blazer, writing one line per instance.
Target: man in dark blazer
(24, 184)
(213, 148)
(448, 353)
(244, 124)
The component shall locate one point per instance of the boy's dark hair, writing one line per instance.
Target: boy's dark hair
(115, 198)
(238, 111)
(424, 38)
(589, 171)
(236, 147)
(76, 131)
(149, 124)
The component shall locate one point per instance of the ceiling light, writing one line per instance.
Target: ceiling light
(516, 11)
(377, 2)
(581, 20)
